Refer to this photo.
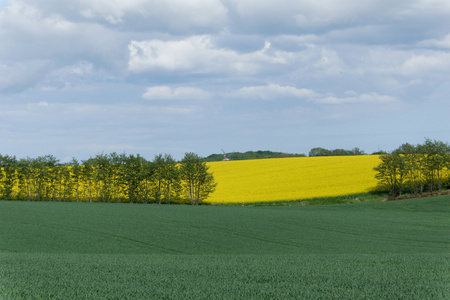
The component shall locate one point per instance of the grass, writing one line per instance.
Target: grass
(383, 250)
(374, 196)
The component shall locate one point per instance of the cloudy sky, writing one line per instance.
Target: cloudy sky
(79, 77)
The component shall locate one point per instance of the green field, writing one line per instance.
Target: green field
(385, 250)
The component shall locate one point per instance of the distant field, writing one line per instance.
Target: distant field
(292, 178)
(384, 250)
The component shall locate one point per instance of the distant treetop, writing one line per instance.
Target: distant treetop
(251, 155)
(336, 152)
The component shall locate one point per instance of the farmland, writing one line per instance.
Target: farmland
(383, 250)
(292, 178)
(129, 178)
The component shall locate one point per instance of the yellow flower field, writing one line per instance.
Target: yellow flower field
(292, 178)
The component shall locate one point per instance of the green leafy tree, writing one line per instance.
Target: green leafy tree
(319, 152)
(102, 176)
(415, 169)
(198, 181)
(66, 184)
(357, 151)
(147, 174)
(25, 174)
(392, 173)
(76, 170)
(166, 178)
(116, 171)
(159, 167)
(88, 175)
(133, 177)
(8, 175)
(172, 179)
(434, 156)
(340, 152)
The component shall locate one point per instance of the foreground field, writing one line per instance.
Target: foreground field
(292, 178)
(388, 250)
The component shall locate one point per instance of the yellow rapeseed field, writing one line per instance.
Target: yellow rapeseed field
(292, 178)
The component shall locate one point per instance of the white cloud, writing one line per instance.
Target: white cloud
(42, 74)
(439, 43)
(369, 98)
(67, 76)
(30, 33)
(288, 14)
(425, 7)
(311, 14)
(198, 54)
(81, 68)
(278, 92)
(173, 16)
(22, 18)
(273, 91)
(303, 39)
(165, 92)
(329, 63)
(22, 75)
(68, 115)
(426, 63)
(389, 64)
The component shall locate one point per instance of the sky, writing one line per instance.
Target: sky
(82, 77)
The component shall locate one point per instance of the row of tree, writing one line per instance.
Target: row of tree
(251, 155)
(318, 151)
(415, 169)
(107, 178)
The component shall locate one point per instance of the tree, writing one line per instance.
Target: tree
(87, 175)
(198, 181)
(102, 176)
(319, 152)
(25, 175)
(166, 176)
(341, 152)
(415, 168)
(406, 149)
(8, 176)
(134, 177)
(65, 182)
(391, 173)
(159, 166)
(41, 169)
(357, 151)
(434, 155)
(172, 178)
(76, 174)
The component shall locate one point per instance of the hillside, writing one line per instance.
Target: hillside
(294, 178)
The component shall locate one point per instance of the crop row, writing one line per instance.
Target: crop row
(384, 250)
(225, 277)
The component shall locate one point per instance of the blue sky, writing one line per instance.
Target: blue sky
(81, 77)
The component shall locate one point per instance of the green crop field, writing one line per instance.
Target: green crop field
(385, 250)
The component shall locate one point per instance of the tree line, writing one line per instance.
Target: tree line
(318, 151)
(415, 169)
(251, 155)
(107, 178)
